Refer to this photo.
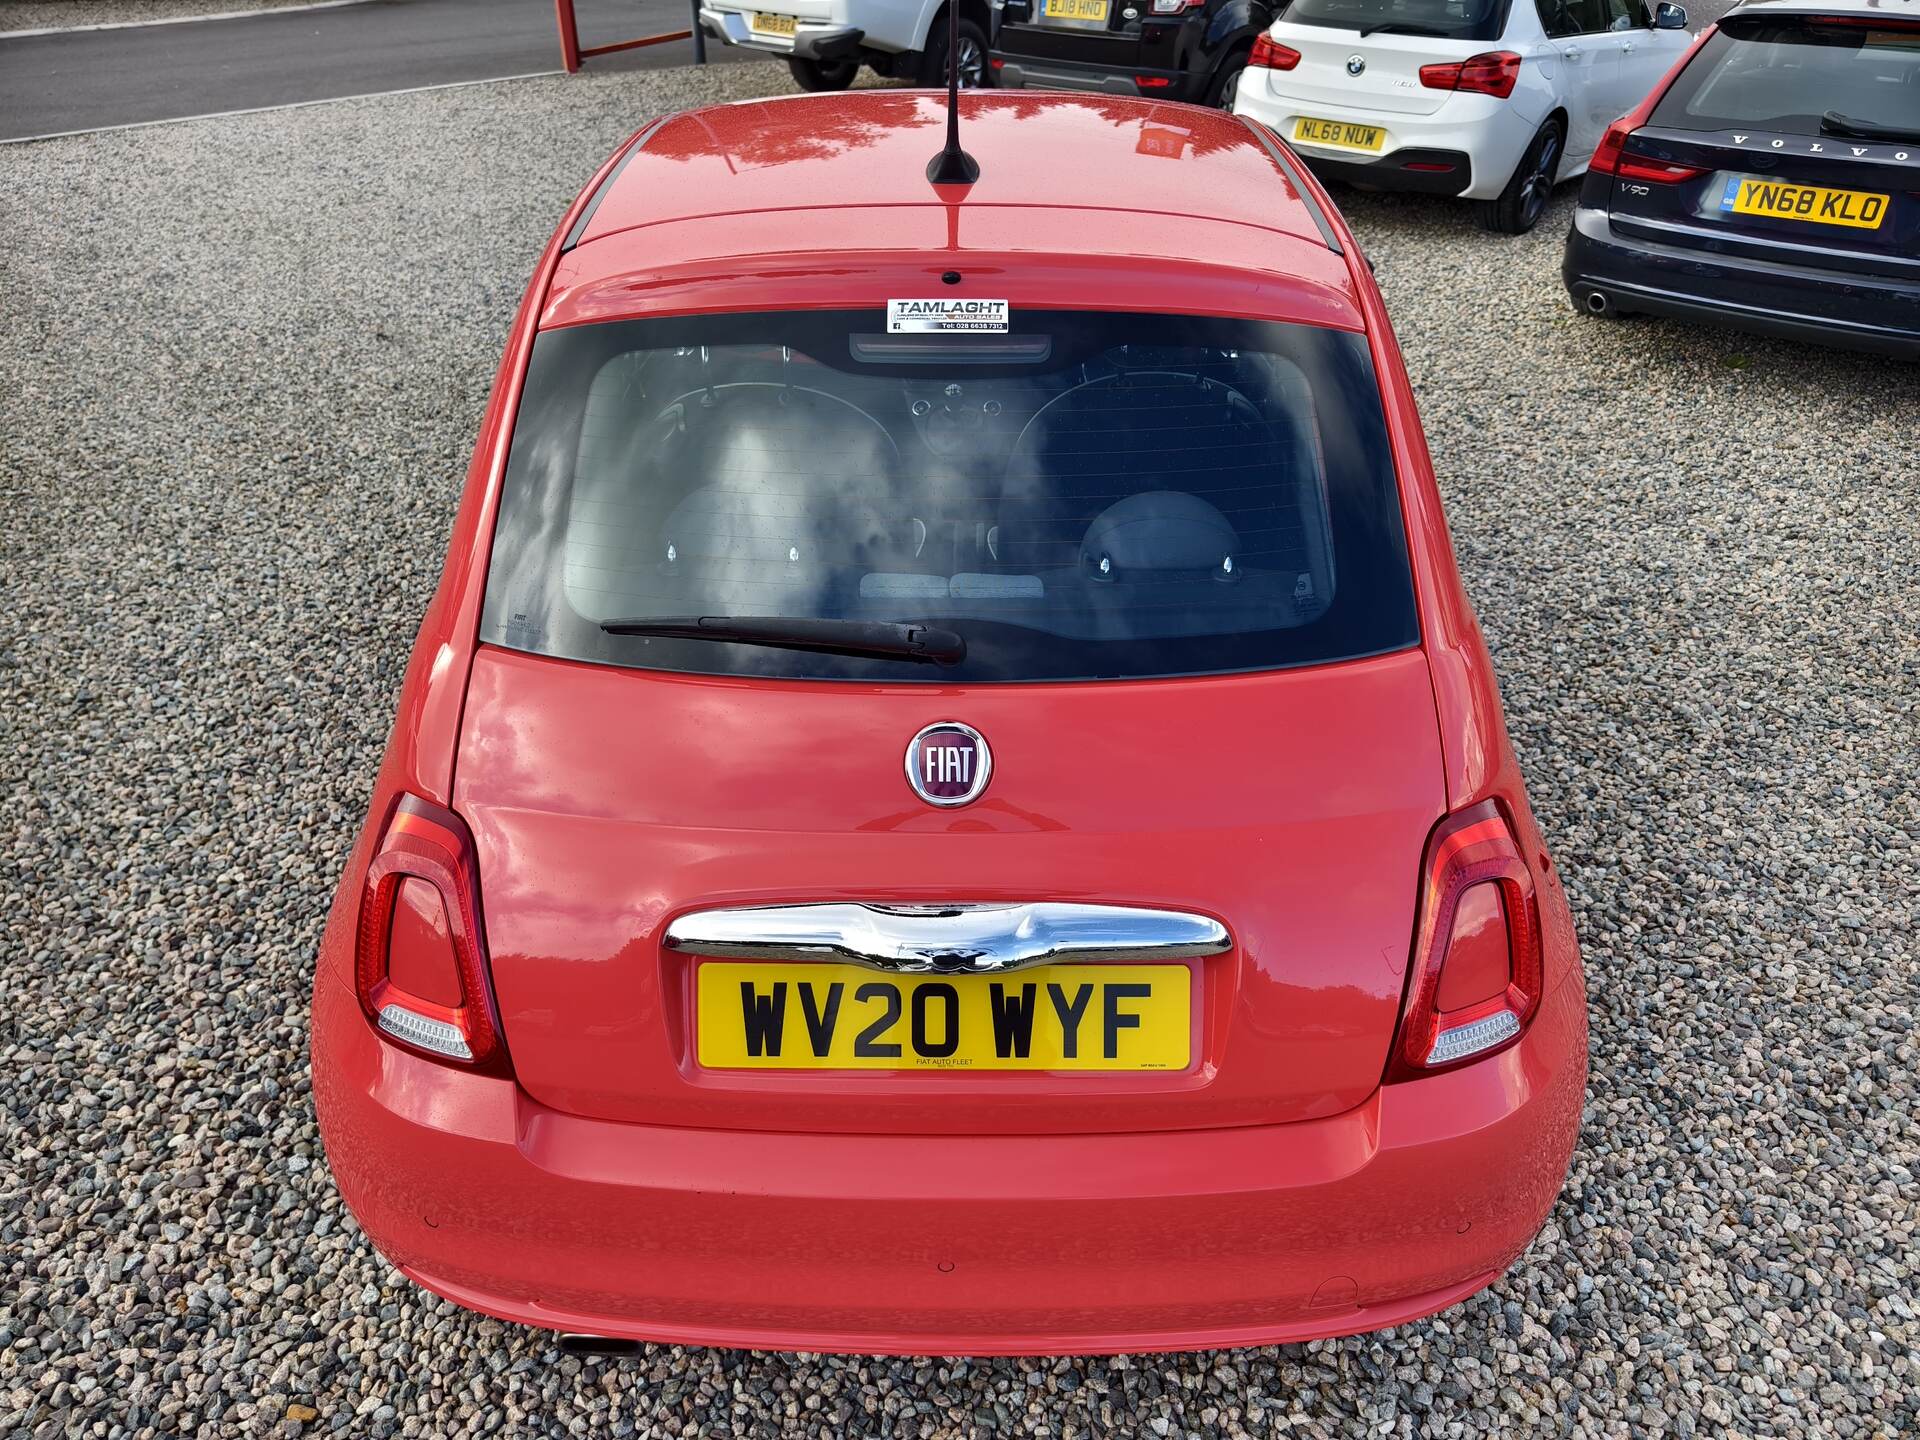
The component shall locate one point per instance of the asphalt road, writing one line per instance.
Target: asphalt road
(53, 84)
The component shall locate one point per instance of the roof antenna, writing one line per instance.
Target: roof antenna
(953, 166)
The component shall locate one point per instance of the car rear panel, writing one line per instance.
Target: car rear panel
(1389, 82)
(1292, 806)
(1834, 181)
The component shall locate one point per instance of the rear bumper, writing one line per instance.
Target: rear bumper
(809, 42)
(1428, 172)
(949, 1245)
(1028, 72)
(1482, 137)
(1855, 312)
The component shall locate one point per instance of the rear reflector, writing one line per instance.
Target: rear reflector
(1477, 966)
(420, 963)
(1270, 54)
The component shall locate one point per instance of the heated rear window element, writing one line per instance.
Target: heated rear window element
(1441, 19)
(1086, 496)
(1854, 76)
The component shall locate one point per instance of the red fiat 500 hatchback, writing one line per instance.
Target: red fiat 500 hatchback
(950, 799)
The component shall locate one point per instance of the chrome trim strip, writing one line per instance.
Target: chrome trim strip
(961, 939)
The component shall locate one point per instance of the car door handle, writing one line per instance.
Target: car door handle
(958, 939)
(1572, 54)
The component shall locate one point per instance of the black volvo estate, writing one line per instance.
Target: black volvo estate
(1772, 184)
(1190, 50)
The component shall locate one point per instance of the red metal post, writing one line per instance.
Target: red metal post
(569, 35)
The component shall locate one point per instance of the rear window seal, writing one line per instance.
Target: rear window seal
(586, 216)
(1292, 172)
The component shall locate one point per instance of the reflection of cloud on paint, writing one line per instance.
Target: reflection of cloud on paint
(750, 138)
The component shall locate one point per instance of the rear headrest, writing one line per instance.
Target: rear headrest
(1158, 530)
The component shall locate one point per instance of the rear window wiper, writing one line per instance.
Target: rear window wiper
(1395, 27)
(880, 639)
(1834, 123)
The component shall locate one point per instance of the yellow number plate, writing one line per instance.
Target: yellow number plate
(1339, 132)
(772, 24)
(1815, 204)
(1082, 10)
(843, 1017)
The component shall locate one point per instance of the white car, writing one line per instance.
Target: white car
(825, 42)
(1493, 100)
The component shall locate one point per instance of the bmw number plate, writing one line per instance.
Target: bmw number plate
(846, 1017)
(1339, 132)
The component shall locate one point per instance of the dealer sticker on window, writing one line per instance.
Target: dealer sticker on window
(925, 317)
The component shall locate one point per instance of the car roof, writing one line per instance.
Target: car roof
(1886, 9)
(1108, 180)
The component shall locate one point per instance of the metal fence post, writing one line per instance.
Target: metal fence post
(569, 35)
(699, 36)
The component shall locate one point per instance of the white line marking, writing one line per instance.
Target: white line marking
(264, 109)
(181, 19)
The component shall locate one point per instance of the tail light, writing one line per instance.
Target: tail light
(1494, 73)
(420, 956)
(1269, 54)
(1610, 159)
(1477, 965)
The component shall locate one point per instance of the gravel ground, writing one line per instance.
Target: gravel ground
(63, 14)
(240, 369)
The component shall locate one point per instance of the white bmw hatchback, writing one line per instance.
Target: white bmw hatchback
(1493, 100)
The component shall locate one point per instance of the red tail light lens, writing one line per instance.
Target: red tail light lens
(420, 963)
(1477, 964)
(1269, 54)
(1610, 158)
(1494, 73)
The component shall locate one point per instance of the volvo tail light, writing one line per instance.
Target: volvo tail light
(1269, 54)
(420, 963)
(1610, 158)
(1493, 73)
(1478, 971)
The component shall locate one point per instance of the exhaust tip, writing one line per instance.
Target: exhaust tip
(603, 1345)
(1596, 303)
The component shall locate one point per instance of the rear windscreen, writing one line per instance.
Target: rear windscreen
(1089, 495)
(1443, 19)
(1856, 76)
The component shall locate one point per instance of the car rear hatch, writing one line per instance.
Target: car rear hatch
(1388, 81)
(1291, 807)
(1790, 138)
(1078, 32)
(1167, 559)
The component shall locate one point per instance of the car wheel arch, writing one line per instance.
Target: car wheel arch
(1559, 113)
